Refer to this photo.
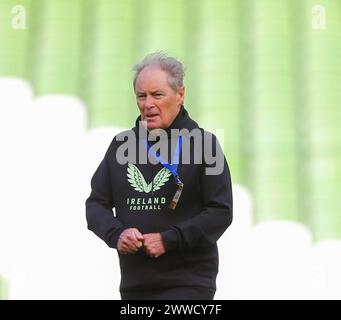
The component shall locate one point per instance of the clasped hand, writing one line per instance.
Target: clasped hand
(131, 240)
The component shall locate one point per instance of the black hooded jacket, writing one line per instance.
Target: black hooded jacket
(140, 193)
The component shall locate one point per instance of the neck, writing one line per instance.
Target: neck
(155, 132)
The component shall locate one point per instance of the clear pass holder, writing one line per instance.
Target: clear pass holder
(177, 194)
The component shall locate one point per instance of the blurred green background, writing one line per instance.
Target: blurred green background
(266, 71)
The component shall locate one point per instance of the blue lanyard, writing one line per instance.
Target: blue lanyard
(172, 167)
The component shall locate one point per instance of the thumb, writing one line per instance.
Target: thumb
(138, 235)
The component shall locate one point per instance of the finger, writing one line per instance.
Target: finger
(129, 248)
(151, 251)
(128, 251)
(126, 245)
(133, 237)
(122, 250)
(146, 239)
(153, 255)
(139, 244)
(134, 245)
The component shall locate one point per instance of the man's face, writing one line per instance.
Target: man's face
(159, 104)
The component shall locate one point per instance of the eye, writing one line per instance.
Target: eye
(158, 95)
(141, 96)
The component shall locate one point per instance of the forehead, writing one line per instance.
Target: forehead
(152, 78)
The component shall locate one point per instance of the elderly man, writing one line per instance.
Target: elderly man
(171, 203)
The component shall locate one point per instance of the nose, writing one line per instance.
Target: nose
(149, 102)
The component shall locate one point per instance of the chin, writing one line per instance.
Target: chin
(154, 126)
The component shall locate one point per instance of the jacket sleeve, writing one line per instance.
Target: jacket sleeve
(99, 205)
(215, 217)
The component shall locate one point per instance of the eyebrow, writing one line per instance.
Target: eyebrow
(152, 92)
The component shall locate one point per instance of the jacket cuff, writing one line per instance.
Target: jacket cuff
(114, 239)
(170, 239)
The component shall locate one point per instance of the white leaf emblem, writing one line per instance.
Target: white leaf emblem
(138, 182)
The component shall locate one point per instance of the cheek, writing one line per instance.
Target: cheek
(168, 116)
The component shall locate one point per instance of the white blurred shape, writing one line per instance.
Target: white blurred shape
(278, 260)
(234, 246)
(62, 115)
(98, 141)
(324, 272)
(15, 101)
(13, 90)
(46, 250)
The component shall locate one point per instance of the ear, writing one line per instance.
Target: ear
(181, 95)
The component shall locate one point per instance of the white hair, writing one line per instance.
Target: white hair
(172, 66)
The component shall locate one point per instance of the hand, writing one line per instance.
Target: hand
(130, 241)
(153, 245)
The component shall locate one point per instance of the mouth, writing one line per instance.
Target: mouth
(151, 116)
